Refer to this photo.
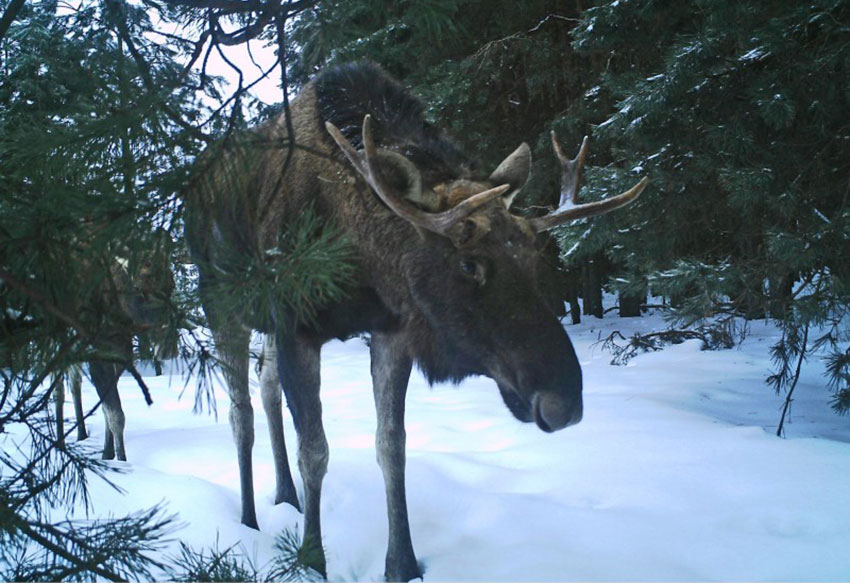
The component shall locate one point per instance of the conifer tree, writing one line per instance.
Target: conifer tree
(738, 112)
(100, 122)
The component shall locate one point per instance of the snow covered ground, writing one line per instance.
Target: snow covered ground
(674, 473)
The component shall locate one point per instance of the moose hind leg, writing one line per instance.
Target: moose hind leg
(108, 439)
(232, 344)
(105, 379)
(390, 374)
(116, 421)
(298, 367)
(76, 379)
(271, 392)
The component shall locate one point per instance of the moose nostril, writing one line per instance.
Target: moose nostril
(553, 412)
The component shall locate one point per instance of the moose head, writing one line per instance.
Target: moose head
(472, 275)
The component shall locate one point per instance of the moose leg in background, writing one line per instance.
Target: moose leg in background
(104, 376)
(391, 367)
(59, 406)
(298, 366)
(272, 404)
(75, 375)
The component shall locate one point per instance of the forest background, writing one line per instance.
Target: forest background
(736, 110)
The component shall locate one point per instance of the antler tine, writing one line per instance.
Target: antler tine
(570, 170)
(568, 207)
(365, 169)
(466, 207)
(347, 149)
(439, 223)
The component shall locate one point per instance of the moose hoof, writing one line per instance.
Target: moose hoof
(311, 555)
(251, 522)
(403, 570)
(294, 503)
(288, 497)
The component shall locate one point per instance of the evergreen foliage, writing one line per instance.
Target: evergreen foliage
(213, 564)
(82, 149)
(101, 117)
(233, 564)
(738, 112)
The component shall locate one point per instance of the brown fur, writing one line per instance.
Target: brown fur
(130, 300)
(457, 304)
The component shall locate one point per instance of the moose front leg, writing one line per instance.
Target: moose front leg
(390, 375)
(271, 392)
(298, 366)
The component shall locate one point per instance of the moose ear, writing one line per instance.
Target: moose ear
(514, 170)
(403, 178)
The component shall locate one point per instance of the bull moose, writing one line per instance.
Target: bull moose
(445, 276)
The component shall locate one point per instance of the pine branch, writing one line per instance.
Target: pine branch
(482, 53)
(145, 72)
(59, 551)
(242, 6)
(43, 301)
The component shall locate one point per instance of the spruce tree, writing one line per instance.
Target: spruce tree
(738, 112)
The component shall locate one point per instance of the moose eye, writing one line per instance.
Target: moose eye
(474, 270)
(468, 268)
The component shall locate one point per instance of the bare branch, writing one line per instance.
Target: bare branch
(238, 93)
(780, 430)
(280, 23)
(242, 35)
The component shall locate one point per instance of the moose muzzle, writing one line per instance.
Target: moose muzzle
(552, 411)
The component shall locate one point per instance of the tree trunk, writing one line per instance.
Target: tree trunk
(630, 305)
(552, 279)
(592, 288)
(780, 289)
(572, 286)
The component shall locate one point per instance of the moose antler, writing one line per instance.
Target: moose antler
(568, 207)
(439, 223)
